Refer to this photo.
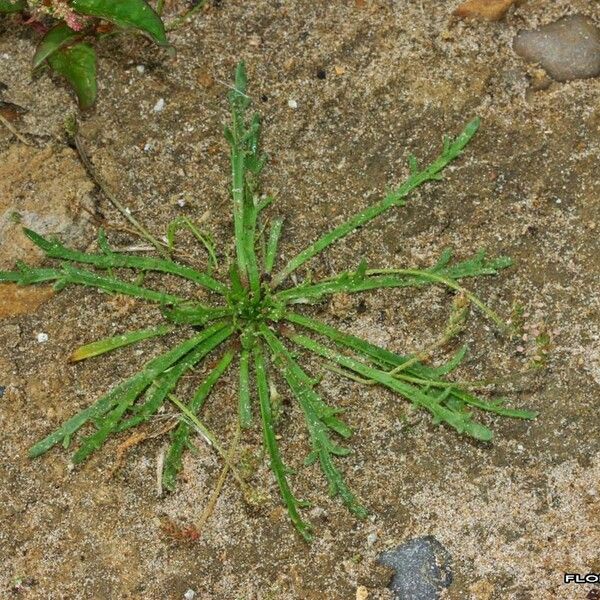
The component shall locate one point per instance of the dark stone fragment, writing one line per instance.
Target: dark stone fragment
(421, 567)
(567, 49)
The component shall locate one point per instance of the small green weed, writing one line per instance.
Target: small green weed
(68, 29)
(255, 323)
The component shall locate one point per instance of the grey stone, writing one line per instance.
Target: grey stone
(44, 189)
(567, 49)
(422, 569)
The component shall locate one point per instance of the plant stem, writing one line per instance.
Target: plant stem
(208, 437)
(125, 212)
(181, 19)
(379, 279)
(488, 312)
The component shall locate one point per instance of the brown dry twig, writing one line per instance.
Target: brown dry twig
(14, 131)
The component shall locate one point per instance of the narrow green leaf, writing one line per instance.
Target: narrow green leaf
(321, 444)
(136, 14)
(496, 406)
(443, 260)
(77, 64)
(68, 275)
(245, 166)
(382, 357)
(350, 283)
(195, 314)
(156, 395)
(56, 38)
(241, 82)
(271, 251)
(461, 422)
(109, 259)
(180, 436)
(107, 402)
(244, 406)
(395, 198)
(112, 343)
(270, 441)
(107, 425)
(450, 365)
(324, 412)
(110, 284)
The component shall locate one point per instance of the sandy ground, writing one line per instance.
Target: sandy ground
(514, 514)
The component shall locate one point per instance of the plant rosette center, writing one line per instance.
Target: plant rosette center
(249, 309)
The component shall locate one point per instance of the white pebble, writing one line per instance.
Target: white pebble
(42, 337)
(189, 595)
(371, 539)
(159, 105)
(140, 69)
(292, 104)
(181, 202)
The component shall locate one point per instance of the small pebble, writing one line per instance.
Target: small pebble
(140, 69)
(318, 513)
(371, 539)
(362, 593)
(483, 10)
(42, 338)
(567, 49)
(292, 104)
(422, 569)
(189, 595)
(159, 105)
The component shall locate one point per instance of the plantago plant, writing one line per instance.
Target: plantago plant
(256, 326)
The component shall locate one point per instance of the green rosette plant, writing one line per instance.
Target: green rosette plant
(255, 324)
